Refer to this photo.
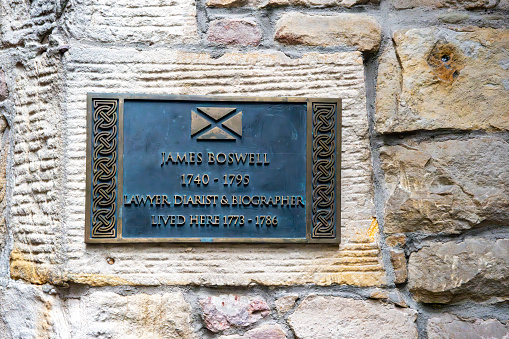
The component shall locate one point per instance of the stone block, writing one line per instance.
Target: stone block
(358, 31)
(262, 332)
(143, 22)
(104, 314)
(49, 164)
(475, 268)
(466, 4)
(280, 3)
(398, 260)
(439, 78)
(284, 304)
(448, 186)
(16, 319)
(234, 32)
(225, 311)
(448, 326)
(337, 317)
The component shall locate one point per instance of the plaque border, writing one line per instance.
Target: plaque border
(310, 137)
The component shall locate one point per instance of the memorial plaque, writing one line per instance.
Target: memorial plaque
(212, 169)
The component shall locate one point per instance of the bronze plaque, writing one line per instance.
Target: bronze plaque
(212, 169)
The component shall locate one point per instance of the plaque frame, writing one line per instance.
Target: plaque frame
(323, 119)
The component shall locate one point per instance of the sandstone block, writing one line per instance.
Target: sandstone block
(337, 317)
(279, 3)
(439, 78)
(467, 4)
(262, 332)
(48, 205)
(284, 304)
(447, 186)
(353, 30)
(398, 260)
(234, 32)
(110, 315)
(448, 326)
(475, 268)
(225, 311)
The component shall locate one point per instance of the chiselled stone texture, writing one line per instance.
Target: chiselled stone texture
(358, 31)
(147, 22)
(448, 186)
(467, 4)
(262, 332)
(475, 268)
(110, 315)
(439, 78)
(234, 32)
(278, 3)
(37, 171)
(448, 326)
(222, 312)
(90, 69)
(337, 317)
(22, 21)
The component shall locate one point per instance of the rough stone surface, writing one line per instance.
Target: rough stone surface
(475, 268)
(395, 240)
(23, 312)
(467, 4)
(225, 311)
(4, 92)
(284, 304)
(398, 260)
(110, 315)
(439, 78)
(448, 326)
(142, 22)
(262, 332)
(448, 186)
(278, 3)
(353, 30)
(234, 32)
(51, 182)
(337, 317)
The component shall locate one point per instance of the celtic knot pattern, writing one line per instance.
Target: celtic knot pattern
(104, 168)
(324, 170)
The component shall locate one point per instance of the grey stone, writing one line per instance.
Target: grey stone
(467, 4)
(476, 268)
(4, 92)
(234, 32)
(448, 326)
(225, 311)
(337, 317)
(446, 187)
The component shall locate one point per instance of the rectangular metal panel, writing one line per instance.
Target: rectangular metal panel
(212, 169)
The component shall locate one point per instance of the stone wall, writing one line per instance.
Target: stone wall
(424, 247)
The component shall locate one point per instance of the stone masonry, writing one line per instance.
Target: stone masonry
(424, 224)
